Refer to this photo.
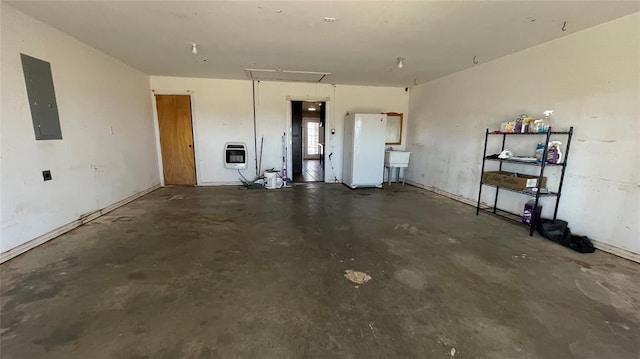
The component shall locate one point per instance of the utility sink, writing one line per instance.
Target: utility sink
(396, 158)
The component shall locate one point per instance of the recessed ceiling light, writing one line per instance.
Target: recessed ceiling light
(329, 19)
(400, 62)
(194, 48)
(312, 108)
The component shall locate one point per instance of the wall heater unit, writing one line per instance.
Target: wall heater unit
(235, 155)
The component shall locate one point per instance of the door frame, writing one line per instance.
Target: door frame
(289, 126)
(156, 127)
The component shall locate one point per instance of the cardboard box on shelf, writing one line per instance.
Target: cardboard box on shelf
(512, 180)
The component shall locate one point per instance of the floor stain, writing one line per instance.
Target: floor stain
(137, 276)
(178, 197)
(411, 278)
(60, 336)
(579, 262)
(33, 287)
(9, 320)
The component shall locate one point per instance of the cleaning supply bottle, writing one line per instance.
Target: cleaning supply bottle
(546, 127)
(554, 155)
(530, 213)
(557, 146)
(539, 152)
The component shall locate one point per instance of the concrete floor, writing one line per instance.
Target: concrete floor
(233, 273)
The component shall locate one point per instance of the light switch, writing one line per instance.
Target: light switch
(46, 175)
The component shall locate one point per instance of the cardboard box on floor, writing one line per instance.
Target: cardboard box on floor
(517, 181)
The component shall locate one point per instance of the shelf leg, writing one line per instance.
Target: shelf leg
(535, 217)
(495, 201)
(484, 154)
(564, 167)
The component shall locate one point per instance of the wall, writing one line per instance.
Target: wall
(592, 81)
(91, 167)
(223, 111)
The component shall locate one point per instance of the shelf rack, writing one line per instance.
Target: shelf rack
(542, 165)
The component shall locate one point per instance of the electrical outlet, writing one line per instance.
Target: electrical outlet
(46, 175)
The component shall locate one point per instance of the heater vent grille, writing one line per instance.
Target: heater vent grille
(235, 155)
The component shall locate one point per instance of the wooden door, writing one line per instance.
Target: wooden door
(176, 139)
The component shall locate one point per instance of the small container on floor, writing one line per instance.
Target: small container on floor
(529, 213)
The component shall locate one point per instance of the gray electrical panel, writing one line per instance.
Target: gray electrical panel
(42, 98)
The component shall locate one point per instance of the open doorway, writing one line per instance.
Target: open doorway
(307, 140)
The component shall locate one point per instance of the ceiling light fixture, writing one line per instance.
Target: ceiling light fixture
(400, 62)
(312, 108)
(329, 19)
(194, 48)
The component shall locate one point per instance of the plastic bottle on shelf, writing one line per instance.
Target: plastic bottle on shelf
(527, 124)
(538, 126)
(554, 155)
(539, 152)
(509, 127)
(518, 128)
(547, 121)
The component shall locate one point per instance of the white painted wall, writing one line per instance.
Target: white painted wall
(91, 167)
(222, 111)
(592, 80)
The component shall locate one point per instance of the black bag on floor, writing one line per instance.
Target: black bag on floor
(559, 232)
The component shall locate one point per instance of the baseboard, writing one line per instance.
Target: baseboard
(85, 218)
(620, 252)
(213, 184)
(617, 251)
(443, 193)
(229, 183)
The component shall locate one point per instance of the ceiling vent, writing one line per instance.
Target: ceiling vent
(285, 75)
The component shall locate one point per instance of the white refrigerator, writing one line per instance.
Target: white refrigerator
(363, 161)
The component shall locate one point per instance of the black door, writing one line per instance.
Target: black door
(296, 138)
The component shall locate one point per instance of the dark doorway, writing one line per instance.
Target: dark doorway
(307, 136)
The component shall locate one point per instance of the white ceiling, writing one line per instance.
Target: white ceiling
(436, 38)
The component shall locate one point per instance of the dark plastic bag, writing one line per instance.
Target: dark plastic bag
(559, 232)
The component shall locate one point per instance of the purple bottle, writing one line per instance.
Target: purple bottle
(554, 155)
(529, 212)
